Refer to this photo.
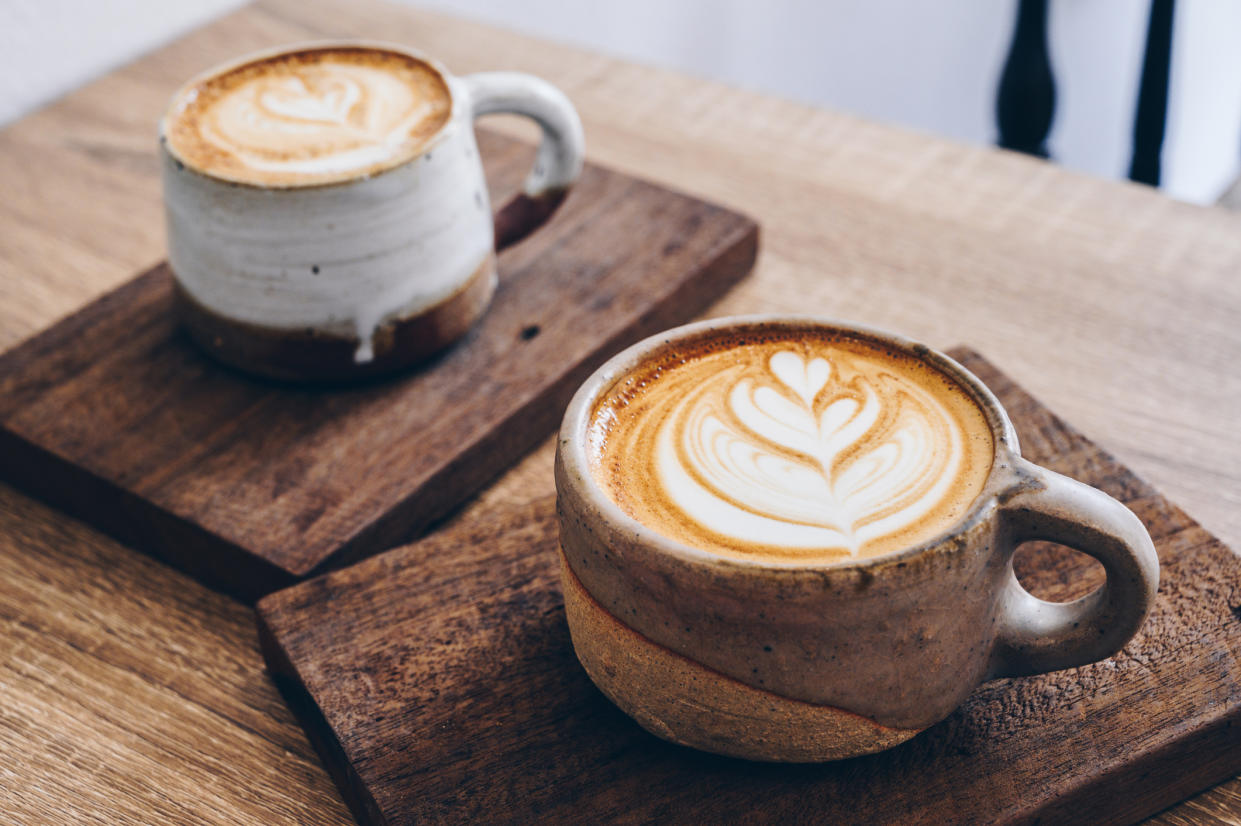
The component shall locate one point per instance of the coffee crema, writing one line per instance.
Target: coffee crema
(791, 446)
(313, 116)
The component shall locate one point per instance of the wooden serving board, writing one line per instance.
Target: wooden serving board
(249, 485)
(439, 684)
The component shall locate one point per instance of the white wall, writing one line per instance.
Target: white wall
(48, 47)
(931, 66)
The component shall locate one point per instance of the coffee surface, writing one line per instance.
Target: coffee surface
(791, 446)
(313, 116)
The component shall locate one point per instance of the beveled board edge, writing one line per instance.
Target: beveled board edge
(292, 688)
(283, 673)
(121, 514)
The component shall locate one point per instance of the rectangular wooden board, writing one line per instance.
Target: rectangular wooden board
(438, 683)
(248, 485)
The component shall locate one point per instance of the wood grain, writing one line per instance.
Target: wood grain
(1116, 306)
(439, 683)
(249, 485)
(132, 695)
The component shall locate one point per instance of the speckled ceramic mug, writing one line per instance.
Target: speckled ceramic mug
(822, 661)
(326, 209)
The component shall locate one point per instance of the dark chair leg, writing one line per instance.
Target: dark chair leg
(1026, 101)
(1152, 112)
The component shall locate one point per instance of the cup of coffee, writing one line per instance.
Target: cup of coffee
(326, 208)
(791, 539)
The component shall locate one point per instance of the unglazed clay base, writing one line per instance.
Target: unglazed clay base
(315, 355)
(680, 700)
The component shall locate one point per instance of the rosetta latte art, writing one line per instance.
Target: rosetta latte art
(816, 468)
(797, 453)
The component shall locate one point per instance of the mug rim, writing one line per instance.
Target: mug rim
(572, 441)
(446, 77)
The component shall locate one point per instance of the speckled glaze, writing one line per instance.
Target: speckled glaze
(853, 656)
(351, 261)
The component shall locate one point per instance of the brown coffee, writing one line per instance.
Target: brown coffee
(309, 117)
(791, 446)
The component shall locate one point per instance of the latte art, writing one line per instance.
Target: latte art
(793, 449)
(309, 117)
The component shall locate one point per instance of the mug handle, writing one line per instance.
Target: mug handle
(1034, 636)
(558, 162)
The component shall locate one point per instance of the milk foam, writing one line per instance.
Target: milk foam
(794, 449)
(309, 117)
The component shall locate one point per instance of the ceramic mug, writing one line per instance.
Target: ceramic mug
(372, 271)
(811, 662)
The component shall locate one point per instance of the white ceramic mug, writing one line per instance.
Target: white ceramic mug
(366, 274)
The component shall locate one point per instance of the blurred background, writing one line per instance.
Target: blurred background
(934, 67)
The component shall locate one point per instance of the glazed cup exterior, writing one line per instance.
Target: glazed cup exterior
(900, 639)
(348, 261)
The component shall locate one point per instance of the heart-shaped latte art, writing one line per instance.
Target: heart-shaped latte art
(291, 99)
(802, 451)
(301, 118)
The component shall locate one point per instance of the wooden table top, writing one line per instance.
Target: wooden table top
(129, 693)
